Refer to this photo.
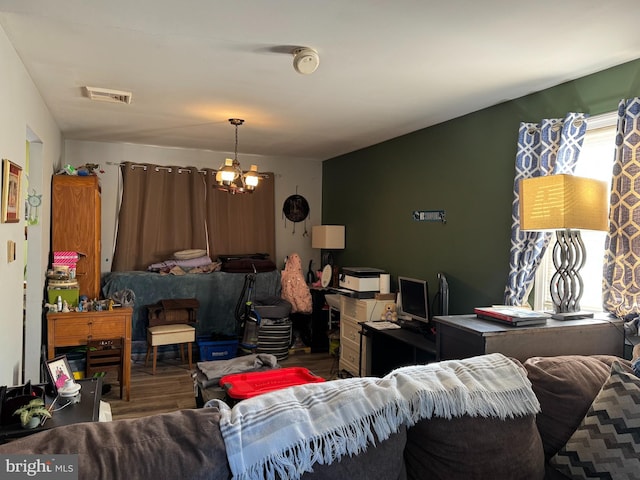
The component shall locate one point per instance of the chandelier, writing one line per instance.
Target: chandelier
(230, 177)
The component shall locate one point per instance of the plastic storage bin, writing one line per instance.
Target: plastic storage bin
(240, 386)
(71, 295)
(216, 350)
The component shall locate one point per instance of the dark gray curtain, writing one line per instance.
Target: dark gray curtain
(167, 209)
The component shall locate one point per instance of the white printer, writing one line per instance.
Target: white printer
(363, 281)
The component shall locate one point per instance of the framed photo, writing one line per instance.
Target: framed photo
(59, 371)
(11, 176)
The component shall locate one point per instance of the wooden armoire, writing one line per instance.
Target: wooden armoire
(75, 226)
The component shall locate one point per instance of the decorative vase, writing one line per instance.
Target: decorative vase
(32, 423)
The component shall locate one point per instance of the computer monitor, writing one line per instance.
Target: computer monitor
(413, 299)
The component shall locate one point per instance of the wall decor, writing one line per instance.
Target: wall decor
(296, 209)
(429, 216)
(34, 201)
(11, 176)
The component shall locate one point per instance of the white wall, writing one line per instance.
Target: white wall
(23, 116)
(24, 110)
(304, 174)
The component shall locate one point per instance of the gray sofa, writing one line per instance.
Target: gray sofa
(188, 444)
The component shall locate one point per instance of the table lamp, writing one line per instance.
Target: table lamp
(566, 204)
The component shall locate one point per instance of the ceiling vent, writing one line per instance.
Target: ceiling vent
(107, 95)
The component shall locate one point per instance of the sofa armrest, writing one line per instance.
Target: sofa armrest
(183, 444)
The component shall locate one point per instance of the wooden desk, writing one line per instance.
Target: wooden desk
(76, 328)
(463, 336)
(393, 348)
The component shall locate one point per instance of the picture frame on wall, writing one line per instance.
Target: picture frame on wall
(11, 178)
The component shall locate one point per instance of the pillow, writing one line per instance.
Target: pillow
(247, 265)
(474, 447)
(607, 442)
(190, 254)
(565, 387)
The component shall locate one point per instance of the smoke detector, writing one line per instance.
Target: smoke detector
(305, 60)
(107, 95)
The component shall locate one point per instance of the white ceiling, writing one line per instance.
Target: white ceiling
(386, 67)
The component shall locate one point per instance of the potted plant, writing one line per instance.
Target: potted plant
(32, 413)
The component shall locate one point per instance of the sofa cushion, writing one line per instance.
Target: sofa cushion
(566, 387)
(607, 442)
(474, 447)
(381, 462)
(183, 444)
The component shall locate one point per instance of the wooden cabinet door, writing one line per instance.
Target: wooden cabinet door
(75, 226)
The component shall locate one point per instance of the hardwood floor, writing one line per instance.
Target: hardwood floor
(171, 388)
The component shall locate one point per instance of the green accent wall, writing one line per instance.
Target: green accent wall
(464, 166)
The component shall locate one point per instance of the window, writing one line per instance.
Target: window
(595, 161)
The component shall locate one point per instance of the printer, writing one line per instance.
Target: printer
(363, 282)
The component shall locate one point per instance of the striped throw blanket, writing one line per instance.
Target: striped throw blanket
(284, 432)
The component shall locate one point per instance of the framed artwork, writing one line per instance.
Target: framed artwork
(59, 371)
(11, 177)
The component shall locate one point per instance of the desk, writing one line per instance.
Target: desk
(393, 348)
(76, 328)
(87, 410)
(463, 336)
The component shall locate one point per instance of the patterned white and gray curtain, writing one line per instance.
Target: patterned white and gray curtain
(621, 275)
(546, 148)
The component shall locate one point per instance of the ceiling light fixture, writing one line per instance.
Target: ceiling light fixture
(230, 177)
(305, 60)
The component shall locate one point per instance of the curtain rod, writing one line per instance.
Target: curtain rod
(157, 168)
(169, 169)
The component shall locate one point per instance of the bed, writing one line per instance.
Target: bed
(217, 292)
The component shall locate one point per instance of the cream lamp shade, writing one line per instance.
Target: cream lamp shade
(329, 237)
(563, 201)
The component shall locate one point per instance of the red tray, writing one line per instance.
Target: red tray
(241, 386)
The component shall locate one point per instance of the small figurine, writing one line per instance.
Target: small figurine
(65, 306)
(88, 169)
(389, 313)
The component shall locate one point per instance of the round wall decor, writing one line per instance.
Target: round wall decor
(295, 208)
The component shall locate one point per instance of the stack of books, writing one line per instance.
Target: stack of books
(515, 316)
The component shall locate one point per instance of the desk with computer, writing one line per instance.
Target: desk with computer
(430, 334)
(411, 338)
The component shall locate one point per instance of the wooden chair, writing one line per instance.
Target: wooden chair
(105, 356)
(172, 322)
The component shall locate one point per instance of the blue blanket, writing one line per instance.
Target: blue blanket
(217, 293)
